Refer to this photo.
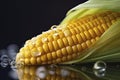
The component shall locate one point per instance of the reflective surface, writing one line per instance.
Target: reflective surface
(68, 72)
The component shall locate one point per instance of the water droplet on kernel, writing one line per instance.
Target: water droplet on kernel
(36, 54)
(44, 40)
(56, 34)
(54, 27)
(41, 72)
(67, 33)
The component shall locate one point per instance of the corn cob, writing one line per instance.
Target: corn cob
(66, 41)
(30, 73)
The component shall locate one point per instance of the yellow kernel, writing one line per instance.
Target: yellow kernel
(44, 40)
(84, 27)
(60, 43)
(81, 29)
(54, 55)
(55, 44)
(61, 34)
(74, 48)
(59, 53)
(27, 54)
(97, 31)
(34, 52)
(73, 31)
(93, 40)
(70, 41)
(64, 51)
(80, 40)
(40, 49)
(79, 47)
(51, 47)
(27, 61)
(33, 60)
(88, 42)
(65, 41)
(69, 50)
(97, 38)
(69, 57)
(43, 58)
(83, 36)
(74, 55)
(77, 30)
(50, 38)
(56, 36)
(84, 46)
(38, 42)
(92, 33)
(58, 60)
(104, 27)
(38, 60)
(49, 56)
(75, 39)
(67, 33)
(64, 58)
(87, 34)
(46, 48)
(101, 29)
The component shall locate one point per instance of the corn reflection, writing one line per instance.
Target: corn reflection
(48, 73)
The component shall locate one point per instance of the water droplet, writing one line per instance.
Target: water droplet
(54, 27)
(64, 72)
(4, 61)
(99, 73)
(44, 40)
(67, 33)
(56, 35)
(36, 54)
(99, 68)
(20, 63)
(41, 72)
(52, 69)
(13, 64)
(100, 65)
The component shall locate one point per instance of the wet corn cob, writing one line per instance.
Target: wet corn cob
(66, 41)
(33, 73)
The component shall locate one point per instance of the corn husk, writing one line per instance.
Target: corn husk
(107, 48)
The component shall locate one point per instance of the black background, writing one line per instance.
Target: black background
(21, 20)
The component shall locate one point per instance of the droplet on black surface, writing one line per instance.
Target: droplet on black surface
(64, 72)
(100, 65)
(52, 69)
(4, 60)
(54, 26)
(100, 68)
(41, 72)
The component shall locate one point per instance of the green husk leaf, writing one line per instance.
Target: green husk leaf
(91, 7)
(107, 48)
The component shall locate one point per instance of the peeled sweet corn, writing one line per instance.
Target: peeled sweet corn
(66, 41)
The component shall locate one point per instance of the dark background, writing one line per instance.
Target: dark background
(21, 20)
